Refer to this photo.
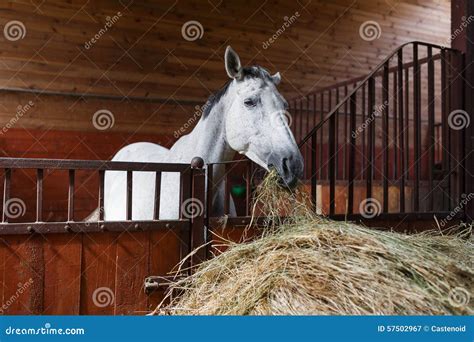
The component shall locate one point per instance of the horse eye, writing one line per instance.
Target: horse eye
(250, 102)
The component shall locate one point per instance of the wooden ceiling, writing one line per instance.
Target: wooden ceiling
(145, 54)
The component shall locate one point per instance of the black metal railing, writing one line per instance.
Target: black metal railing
(387, 140)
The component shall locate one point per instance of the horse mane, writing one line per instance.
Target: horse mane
(248, 72)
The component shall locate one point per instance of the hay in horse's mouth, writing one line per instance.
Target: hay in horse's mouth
(307, 264)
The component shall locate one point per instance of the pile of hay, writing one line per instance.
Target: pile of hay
(307, 264)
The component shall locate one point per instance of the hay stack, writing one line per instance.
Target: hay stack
(311, 265)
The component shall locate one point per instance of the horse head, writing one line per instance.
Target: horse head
(257, 120)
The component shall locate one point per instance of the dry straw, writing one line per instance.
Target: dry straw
(309, 265)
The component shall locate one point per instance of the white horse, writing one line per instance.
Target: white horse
(247, 116)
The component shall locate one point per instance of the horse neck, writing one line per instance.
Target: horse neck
(208, 140)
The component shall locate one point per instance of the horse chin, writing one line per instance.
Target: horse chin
(288, 185)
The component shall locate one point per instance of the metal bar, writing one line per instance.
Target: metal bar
(210, 193)
(407, 122)
(185, 193)
(308, 146)
(6, 193)
(332, 165)
(226, 192)
(352, 121)
(70, 197)
(449, 142)
(401, 138)
(444, 119)
(431, 118)
(364, 145)
(321, 165)
(39, 195)
(247, 188)
(96, 165)
(186, 210)
(297, 118)
(329, 109)
(90, 227)
(462, 186)
(156, 210)
(371, 136)
(313, 172)
(417, 129)
(344, 154)
(198, 227)
(395, 126)
(101, 194)
(385, 152)
(300, 118)
(314, 154)
(129, 194)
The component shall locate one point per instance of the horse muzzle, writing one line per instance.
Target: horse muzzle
(289, 168)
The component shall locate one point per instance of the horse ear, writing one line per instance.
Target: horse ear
(276, 78)
(232, 63)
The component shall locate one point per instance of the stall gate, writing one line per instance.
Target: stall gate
(79, 267)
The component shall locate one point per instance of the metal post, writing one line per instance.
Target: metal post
(198, 229)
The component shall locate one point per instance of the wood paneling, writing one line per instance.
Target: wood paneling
(89, 274)
(145, 54)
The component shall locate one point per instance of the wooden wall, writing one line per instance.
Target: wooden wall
(90, 274)
(144, 53)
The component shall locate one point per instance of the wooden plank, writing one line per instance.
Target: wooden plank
(99, 251)
(62, 263)
(23, 267)
(161, 58)
(164, 260)
(131, 269)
